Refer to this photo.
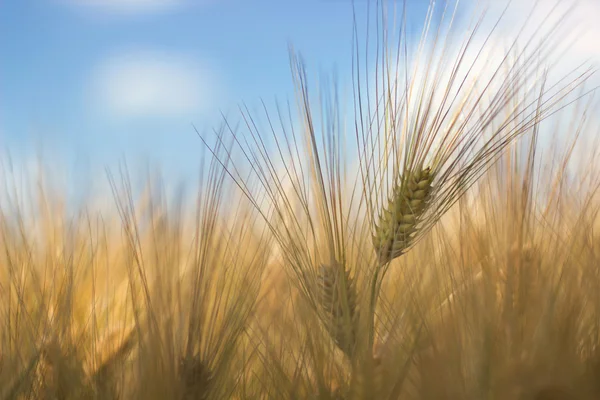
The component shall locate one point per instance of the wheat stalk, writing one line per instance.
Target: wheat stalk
(423, 137)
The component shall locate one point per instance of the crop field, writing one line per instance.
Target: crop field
(432, 234)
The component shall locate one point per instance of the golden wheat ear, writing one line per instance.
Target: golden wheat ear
(399, 220)
(338, 302)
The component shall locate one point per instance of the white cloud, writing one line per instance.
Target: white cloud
(575, 45)
(484, 65)
(153, 84)
(579, 28)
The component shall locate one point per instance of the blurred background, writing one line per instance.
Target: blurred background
(87, 83)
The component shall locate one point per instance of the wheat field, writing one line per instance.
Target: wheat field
(436, 241)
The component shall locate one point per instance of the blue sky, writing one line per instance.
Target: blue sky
(94, 81)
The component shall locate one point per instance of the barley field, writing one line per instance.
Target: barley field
(432, 235)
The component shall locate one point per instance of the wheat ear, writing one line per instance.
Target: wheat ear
(399, 219)
(196, 378)
(338, 301)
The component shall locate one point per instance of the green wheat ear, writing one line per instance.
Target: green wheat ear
(399, 219)
(338, 302)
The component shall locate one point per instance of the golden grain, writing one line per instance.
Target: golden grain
(399, 220)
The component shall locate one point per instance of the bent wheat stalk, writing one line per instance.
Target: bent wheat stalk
(435, 121)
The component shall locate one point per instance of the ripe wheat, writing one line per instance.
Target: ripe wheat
(400, 219)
